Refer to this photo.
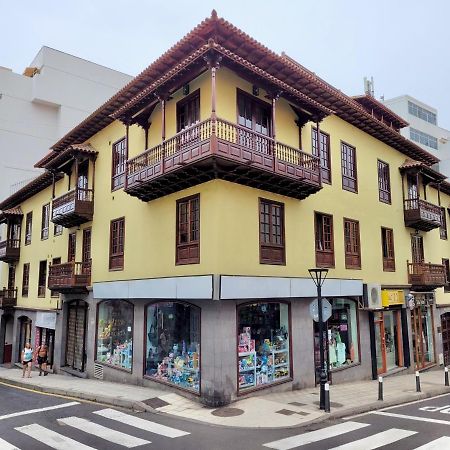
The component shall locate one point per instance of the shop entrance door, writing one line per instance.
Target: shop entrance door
(380, 342)
(422, 334)
(445, 323)
(76, 335)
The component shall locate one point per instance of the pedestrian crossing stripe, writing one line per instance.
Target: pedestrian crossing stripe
(51, 438)
(437, 444)
(142, 424)
(102, 432)
(7, 446)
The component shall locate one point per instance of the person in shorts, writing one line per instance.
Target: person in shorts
(42, 353)
(27, 358)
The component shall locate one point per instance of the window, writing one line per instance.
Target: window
(387, 245)
(446, 264)
(116, 244)
(86, 253)
(423, 138)
(263, 344)
(271, 232)
(57, 230)
(352, 244)
(325, 161)
(342, 333)
(115, 334)
(384, 182)
(324, 240)
(11, 277)
(188, 111)
(25, 279)
(72, 247)
(45, 221)
(173, 344)
(422, 113)
(28, 227)
(119, 158)
(188, 231)
(348, 162)
(443, 227)
(55, 261)
(42, 280)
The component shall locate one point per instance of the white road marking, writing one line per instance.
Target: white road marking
(7, 446)
(143, 424)
(100, 431)
(377, 440)
(419, 419)
(52, 438)
(315, 436)
(437, 444)
(33, 411)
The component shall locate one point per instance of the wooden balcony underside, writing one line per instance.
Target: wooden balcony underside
(421, 215)
(10, 250)
(73, 208)
(69, 278)
(234, 154)
(423, 276)
(8, 298)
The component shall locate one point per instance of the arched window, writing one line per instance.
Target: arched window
(115, 334)
(173, 344)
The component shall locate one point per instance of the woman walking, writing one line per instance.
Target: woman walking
(27, 357)
(42, 352)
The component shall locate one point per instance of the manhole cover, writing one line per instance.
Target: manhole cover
(227, 412)
(332, 404)
(155, 402)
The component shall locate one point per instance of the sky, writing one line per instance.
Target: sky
(403, 45)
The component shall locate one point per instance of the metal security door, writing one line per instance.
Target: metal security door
(445, 322)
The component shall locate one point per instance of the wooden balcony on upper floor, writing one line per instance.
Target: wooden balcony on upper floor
(10, 250)
(8, 298)
(73, 208)
(217, 149)
(71, 277)
(421, 215)
(424, 276)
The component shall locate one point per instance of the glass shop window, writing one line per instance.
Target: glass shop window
(115, 334)
(173, 344)
(263, 344)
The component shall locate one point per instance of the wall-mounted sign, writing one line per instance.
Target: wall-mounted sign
(392, 297)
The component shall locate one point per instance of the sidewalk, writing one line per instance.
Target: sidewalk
(275, 410)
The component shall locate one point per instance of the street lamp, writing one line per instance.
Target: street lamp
(318, 276)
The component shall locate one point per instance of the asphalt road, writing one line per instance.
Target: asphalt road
(30, 420)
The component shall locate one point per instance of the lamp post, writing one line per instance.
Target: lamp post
(318, 276)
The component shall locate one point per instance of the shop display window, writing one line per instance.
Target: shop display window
(115, 334)
(263, 344)
(173, 344)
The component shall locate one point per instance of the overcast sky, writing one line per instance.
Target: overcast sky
(403, 44)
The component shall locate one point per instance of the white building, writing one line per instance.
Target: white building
(55, 93)
(423, 128)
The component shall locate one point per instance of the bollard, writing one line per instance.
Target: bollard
(418, 382)
(446, 376)
(380, 388)
(327, 397)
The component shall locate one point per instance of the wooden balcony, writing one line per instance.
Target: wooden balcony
(73, 208)
(70, 277)
(217, 149)
(8, 298)
(426, 275)
(10, 250)
(421, 215)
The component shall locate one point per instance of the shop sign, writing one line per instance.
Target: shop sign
(46, 320)
(417, 299)
(392, 297)
(326, 310)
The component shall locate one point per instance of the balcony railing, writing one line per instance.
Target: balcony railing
(221, 149)
(69, 277)
(426, 275)
(10, 250)
(421, 215)
(8, 298)
(73, 208)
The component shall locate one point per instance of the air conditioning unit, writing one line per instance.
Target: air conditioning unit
(372, 296)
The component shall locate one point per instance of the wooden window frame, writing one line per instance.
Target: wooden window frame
(324, 257)
(347, 179)
(58, 230)
(25, 279)
(272, 252)
(446, 264)
(384, 182)
(115, 185)
(325, 154)
(28, 228)
(352, 257)
(258, 102)
(72, 246)
(389, 261)
(117, 258)
(42, 276)
(54, 262)
(193, 96)
(443, 228)
(86, 247)
(45, 221)
(188, 252)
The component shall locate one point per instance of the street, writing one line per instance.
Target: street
(31, 420)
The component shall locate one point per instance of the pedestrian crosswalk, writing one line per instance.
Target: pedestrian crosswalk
(370, 442)
(59, 441)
